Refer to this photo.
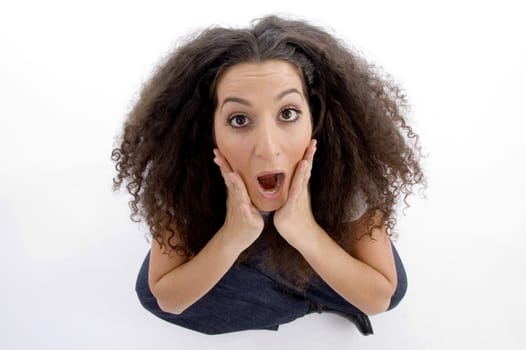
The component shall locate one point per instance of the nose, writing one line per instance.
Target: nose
(267, 141)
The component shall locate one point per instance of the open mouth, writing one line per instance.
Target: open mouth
(271, 183)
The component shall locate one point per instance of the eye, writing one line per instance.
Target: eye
(238, 121)
(289, 114)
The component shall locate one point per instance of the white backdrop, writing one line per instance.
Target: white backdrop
(68, 75)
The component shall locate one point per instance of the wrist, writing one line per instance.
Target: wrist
(304, 238)
(227, 244)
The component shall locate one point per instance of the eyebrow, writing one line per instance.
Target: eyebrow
(247, 103)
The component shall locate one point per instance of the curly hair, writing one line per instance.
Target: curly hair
(364, 145)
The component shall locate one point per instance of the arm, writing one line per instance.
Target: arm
(177, 282)
(366, 278)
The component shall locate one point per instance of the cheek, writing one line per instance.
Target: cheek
(300, 152)
(229, 146)
(302, 143)
(221, 139)
(230, 149)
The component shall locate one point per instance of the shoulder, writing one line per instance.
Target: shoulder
(374, 249)
(163, 258)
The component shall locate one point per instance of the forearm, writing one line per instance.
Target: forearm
(186, 284)
(358, 283)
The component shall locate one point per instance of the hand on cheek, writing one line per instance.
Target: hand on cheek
(243, 222)
(294, 219)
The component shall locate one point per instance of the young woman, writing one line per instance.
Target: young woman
(267, 162)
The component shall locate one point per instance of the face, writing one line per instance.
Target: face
(262, 126)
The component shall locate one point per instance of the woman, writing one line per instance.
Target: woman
(267, 162)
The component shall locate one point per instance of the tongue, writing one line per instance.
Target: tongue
(268, 182)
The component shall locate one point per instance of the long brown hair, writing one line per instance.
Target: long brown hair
(364, 143)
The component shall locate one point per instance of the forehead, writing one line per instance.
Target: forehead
(271, 73)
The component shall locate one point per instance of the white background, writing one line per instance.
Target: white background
(70, 72)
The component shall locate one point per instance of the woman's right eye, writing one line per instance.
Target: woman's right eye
(238, 121)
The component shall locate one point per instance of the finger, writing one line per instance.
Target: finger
(222, 162)
(311, 149)
(224, 167)
(308, 155)
(239, 190)
(298, 182)
(306, 175)
(309, 158)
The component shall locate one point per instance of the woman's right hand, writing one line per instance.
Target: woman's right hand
(243, 222)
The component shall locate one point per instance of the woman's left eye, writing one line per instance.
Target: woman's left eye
(290, 114)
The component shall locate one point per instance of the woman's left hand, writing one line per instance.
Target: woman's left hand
(294, 220)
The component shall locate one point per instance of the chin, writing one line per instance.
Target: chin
(270, 205)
